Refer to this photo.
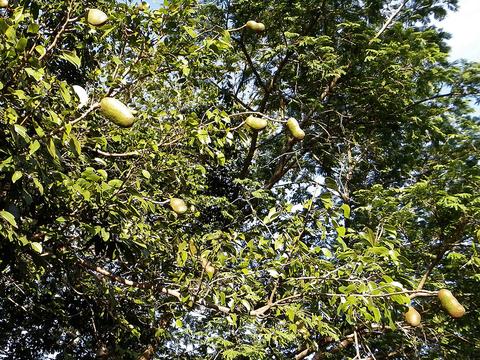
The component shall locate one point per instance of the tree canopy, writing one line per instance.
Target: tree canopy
(192, 235)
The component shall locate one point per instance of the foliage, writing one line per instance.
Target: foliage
(318, 245)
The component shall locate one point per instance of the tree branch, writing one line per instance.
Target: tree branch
(59, 33)
(224, 309)
(439, 96)
(76, 120)
(443, 250)
(342, 343)
(412, 293)
(148, 353)
(235, 96)
(125, 154)
(303, 354)
(388, 22)
(281, 169)
(249, 158)
(250, 63)
(268, 91)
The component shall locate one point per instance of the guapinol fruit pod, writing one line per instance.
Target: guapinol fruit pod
(412, 316)
(255, 122)
(255, 26)
(294, 127)
(259, 27)
(178, 205)
(117, 112)
(251, 24)
(96, 17)
(451, 304)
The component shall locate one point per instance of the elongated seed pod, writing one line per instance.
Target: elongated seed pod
(255, 122)
(259, 27)
(255, 26)
(451, 304)
(178, 205)
(117, 112)
(96, 17)
(294, 127)
(412, 316)
(251, 24)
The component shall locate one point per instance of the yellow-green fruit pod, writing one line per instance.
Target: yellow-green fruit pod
(451, 304)
(3, 3)
(255, 122)
(117, 112)
(292, 125)
(259, 27)
(412, 317)
(255, 26)
(178, 205)
(251, 24)
(96, 17)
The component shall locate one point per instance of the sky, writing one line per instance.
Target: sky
(464, 25)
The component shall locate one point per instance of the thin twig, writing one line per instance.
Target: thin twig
(357, 346)
(125, 154)
(59, 34)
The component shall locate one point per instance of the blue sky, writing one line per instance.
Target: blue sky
(464, 25)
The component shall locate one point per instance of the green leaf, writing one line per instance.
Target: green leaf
(90, 174)
(33, 147)
(21, 44)
(16, 175)
(76, 144)
(246, 304)
(341, 231)
(22, 131)
(40, 50)
(33, 28)
(8, 217)
(52, 149)
(38, 185)
(331, 184)
(54, 117)
(71, 57)
(327, 253)
(190, 31)
(11, 35)
(64, 91)
(36, 74)
(203, 136)
(37, 247)
(272, 215)
(346, 210)
(291, 314)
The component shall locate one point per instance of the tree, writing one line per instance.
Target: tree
(289, 247)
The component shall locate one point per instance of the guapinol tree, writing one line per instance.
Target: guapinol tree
(236, 180)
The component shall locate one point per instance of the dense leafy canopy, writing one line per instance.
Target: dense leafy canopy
(290, 248)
